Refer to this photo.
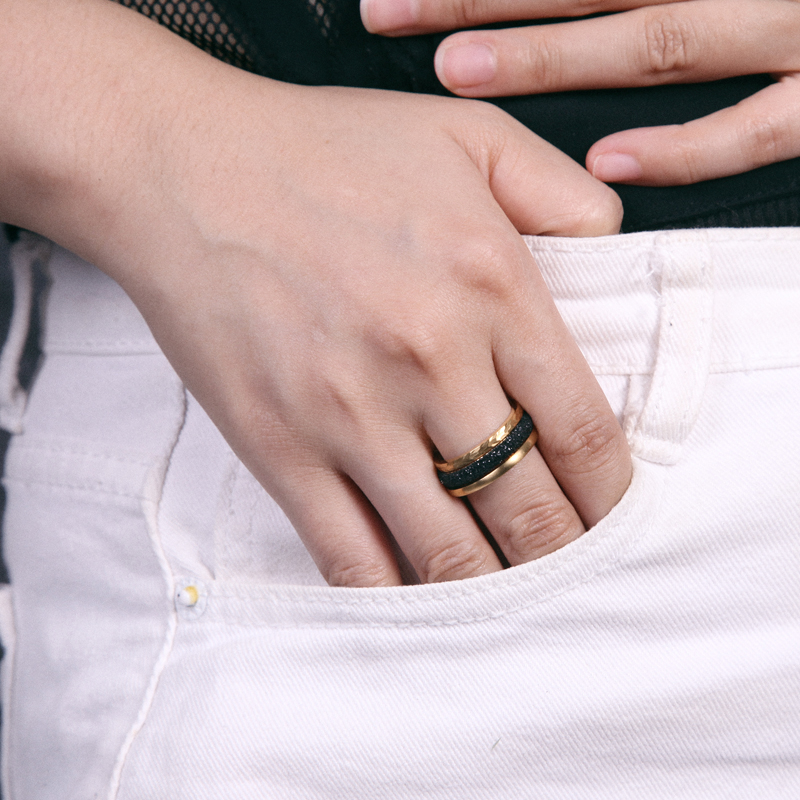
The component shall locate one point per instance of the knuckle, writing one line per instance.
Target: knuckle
(489, 268)
(692, 158)
(765, 139)
(670, 42)
(424, 332)
(344, 399)
(452, 560)
(467, 12)
(594, 444)
(540, 528)
(357, 574)
(542, 62)
(483, 132)
(582, 8)
(686, 155)
(419, 340)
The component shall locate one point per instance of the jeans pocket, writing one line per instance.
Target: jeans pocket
(318, 692)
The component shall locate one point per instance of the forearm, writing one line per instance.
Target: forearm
(92, 97)
(306, 258)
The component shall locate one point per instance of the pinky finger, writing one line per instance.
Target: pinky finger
(344, 535)
(762, 129)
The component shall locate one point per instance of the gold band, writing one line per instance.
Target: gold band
(483, 448)
(501, 470)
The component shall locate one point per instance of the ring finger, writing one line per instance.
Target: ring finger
(524, 509)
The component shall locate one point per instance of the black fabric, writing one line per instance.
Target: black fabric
(574, 121)
(322, 42)
(199, 22)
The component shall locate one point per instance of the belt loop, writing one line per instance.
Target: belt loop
(673, 401)
(24, 253)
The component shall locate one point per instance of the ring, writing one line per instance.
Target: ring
(493, 457)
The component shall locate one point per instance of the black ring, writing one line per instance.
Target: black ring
(492, 460)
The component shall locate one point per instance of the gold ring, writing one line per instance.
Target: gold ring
(483, 448)
(493, 457)
(501, 470)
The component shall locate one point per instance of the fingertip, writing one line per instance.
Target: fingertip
(389, 16)
(341, 530)
(604, 218)
(596, 213)
(354, 563)
(363, 575)
(463, 65)
(439, 64)
(614, 167)
(643, 156)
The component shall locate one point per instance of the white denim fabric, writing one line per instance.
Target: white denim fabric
(171, 638)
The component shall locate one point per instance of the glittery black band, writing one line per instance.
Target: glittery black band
(492, 460)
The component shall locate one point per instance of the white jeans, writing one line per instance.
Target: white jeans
(171, 638)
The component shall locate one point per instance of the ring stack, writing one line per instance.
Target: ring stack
(493, 457)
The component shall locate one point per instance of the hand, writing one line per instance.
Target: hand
(342, 308)
(338, 277)
(649, 43)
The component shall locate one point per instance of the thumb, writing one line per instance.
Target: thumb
(540, 189)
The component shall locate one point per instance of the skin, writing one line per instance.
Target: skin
(337, 275)
(646, 43)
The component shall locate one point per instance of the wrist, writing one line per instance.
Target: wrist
(91, 106)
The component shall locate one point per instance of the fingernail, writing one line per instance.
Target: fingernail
(467, 65)
(388, 15)
(616, 168)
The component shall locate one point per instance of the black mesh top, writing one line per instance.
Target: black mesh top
(322, 42)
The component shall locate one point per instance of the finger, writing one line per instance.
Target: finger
(435, 531)
(680, 42)
(403, 17)
(536, 359)
(539, 363)
(527, 512)
(762, 129)
(340, 529)
(524, 510)
(541, 190)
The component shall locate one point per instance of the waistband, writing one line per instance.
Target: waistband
(738, 289)
(733, 292)
(663, 309)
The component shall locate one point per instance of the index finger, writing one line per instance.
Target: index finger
(685, 42)
(405, 17)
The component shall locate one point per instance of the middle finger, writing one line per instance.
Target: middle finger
(404, 17)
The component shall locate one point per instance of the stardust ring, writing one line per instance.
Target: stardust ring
(493, 457)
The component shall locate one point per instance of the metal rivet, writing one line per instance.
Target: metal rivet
(188, 596)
